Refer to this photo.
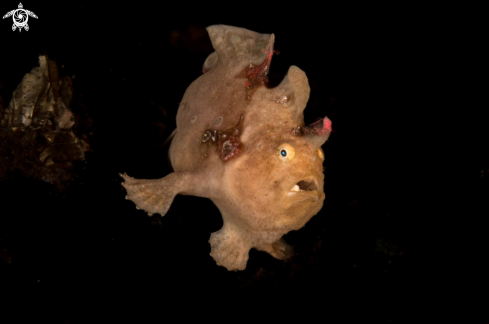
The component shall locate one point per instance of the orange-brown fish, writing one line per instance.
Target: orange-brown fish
(245, 147)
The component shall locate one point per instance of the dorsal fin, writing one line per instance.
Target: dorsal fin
(293, 93)
(239, 47)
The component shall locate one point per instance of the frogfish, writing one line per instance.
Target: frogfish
(244, 146)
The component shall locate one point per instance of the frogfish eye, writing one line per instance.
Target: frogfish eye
(286, 152)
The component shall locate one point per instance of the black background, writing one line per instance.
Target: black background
(401, 234)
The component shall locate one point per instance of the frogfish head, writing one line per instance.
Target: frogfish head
(279, 179)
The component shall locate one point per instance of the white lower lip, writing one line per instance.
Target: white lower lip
(294, 192)
(303, 195)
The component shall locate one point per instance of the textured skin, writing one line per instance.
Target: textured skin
(231, 131)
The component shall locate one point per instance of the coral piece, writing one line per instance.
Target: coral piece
(36, 127)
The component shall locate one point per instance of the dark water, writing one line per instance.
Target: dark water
(407, 171)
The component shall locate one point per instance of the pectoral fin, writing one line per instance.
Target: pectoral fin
(230, 248)
(154, 196)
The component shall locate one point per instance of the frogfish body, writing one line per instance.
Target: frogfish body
(245, 147)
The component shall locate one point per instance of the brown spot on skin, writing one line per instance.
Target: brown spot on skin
(228, 142)
(230, 148)
(218, 121)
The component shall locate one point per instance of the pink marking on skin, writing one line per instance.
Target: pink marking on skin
(258, 75)
(320, 127)
(326, 125)
(274, 51)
